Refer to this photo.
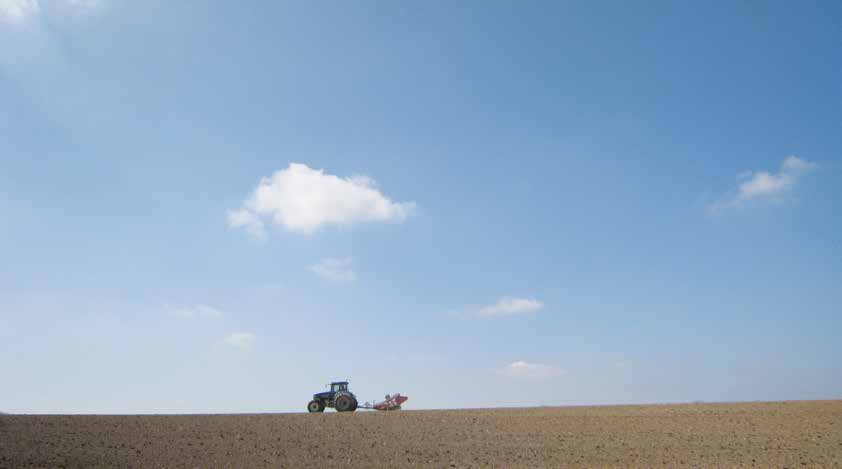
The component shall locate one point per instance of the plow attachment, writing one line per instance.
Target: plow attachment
(389, 403)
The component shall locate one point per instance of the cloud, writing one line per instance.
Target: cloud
(34, 57)
(763, 186)
(337, 270)
(303, 200)
(247, 220)
(530, 371)
(508, 306)
(15, 11)
(197, 311)
(240, 340)
(796, 164)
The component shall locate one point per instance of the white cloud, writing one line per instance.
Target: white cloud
(15, 11)
(197, 311)
(796, 164)
(303, 200)
(247, 220)
(508, 306)
(240, 340)
(532, 371)
(762, 186)
(337, 270)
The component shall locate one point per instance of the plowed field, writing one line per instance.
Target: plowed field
(775, 434)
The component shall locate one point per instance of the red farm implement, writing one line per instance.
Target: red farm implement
(390, 403)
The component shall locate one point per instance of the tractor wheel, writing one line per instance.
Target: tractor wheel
(344, 404)
(315, 406)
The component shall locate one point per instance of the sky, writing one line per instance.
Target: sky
(222, 206)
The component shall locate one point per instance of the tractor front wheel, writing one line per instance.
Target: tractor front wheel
(315, 406)
(345, 404)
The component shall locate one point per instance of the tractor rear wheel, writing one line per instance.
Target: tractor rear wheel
(315, 406)
(344, 404)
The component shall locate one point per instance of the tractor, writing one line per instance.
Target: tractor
(339, 398)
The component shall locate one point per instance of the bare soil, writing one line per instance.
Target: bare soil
(772, 434)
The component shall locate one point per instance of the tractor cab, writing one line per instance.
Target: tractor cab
(338, 386)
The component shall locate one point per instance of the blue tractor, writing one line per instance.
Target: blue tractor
(339, 398)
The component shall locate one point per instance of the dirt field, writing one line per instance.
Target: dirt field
(780, 434)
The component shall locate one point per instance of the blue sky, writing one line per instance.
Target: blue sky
(219, 207)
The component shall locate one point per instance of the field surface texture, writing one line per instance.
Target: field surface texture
(776, 434)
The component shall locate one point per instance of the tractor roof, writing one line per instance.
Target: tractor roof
(338, 382)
